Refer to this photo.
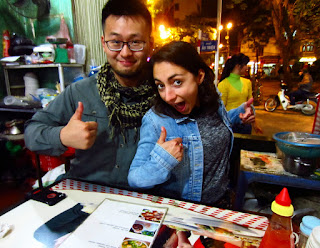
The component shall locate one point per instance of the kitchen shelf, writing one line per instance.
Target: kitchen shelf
(46, 73)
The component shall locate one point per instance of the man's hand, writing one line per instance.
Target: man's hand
(174, 147)
(179, 239)
(79, 134)
(248, 116)
(183, 241)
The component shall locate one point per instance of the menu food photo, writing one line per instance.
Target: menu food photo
(118, 224)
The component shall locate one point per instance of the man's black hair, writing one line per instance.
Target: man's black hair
(126, 8)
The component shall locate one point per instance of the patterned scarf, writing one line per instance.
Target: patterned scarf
(122, 115)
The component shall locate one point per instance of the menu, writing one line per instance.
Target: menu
(215, 229)
(117, 224)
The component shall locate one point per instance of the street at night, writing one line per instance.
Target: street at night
(281, 120)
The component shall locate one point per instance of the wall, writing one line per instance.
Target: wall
(34, 29)
(187, 7)
(37, 30)
(88, 28)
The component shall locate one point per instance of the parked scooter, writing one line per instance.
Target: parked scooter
(307, 105)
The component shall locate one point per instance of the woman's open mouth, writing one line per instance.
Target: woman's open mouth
(181, 107)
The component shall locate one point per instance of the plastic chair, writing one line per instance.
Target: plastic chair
(46, 163)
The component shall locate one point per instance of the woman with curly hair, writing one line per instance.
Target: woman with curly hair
(186, 138)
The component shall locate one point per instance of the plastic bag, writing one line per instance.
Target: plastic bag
(46, 95)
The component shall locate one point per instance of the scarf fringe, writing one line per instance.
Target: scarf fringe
(123, 116)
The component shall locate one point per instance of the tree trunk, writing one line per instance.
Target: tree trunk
(283, 35)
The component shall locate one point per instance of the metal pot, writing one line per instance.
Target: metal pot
(14, 127)
(300, 166)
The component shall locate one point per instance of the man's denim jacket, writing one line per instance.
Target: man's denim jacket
(153, 166)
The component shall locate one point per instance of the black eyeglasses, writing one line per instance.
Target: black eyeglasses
(116, 45)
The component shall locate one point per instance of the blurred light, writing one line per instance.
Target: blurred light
(162, 28)
(163, 33)
(221, 61)
(229, 25)
(220, 45)
(308, 59)
(251, 63)
(220, 27)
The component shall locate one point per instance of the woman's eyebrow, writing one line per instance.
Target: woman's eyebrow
(169, 78)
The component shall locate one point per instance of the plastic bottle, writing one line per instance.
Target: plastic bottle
(93, 68)
(6, 43)
(71, 55)
(306, 226)
(314, 239)
(279, 232)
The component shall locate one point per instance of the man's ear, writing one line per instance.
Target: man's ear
(104, 45)
(201, 75)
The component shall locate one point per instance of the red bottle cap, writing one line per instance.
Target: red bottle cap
(283, 198)
(282, 204)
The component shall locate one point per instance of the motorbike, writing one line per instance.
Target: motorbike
(307, 104)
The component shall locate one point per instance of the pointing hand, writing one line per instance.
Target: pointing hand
(174, 146)
(247, 117)
(79, 134)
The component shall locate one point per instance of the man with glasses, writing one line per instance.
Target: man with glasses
(100, 116)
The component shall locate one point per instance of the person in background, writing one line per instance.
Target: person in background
(304, 87)
(281, 73)
(186, 138)
(235, 89)
(100, 116)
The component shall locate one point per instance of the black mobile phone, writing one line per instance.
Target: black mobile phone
(47, 196)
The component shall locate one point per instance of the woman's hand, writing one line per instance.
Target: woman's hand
(248, 116)
(174, 147)
(257, 129)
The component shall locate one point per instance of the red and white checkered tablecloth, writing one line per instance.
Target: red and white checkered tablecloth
(244, 219)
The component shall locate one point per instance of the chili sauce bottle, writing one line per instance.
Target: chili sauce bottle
(279, 232)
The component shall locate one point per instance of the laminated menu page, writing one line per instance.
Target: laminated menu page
(117, 224)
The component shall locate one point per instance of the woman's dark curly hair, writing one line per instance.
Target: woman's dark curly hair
(185, 55)
(237, 59)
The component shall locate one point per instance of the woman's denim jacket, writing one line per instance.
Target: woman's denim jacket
(153, 167)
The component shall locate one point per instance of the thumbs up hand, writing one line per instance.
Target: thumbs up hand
(79, 134)
(174, 146)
